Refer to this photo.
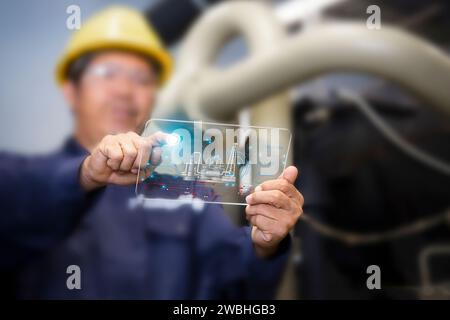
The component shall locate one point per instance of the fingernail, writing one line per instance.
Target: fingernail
(134, 171)
(267, 237)
(248, 198)
(258, 188)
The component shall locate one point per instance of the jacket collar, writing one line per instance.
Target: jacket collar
(72, 147)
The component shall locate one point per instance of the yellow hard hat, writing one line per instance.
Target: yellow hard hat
(115, 28)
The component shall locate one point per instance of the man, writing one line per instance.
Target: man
(73, 208)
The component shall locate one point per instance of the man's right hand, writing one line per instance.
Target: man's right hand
(117, 158)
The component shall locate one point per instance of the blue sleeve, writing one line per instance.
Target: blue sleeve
(40, 201)
(228, 265)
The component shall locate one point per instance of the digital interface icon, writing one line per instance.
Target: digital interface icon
(211, 162)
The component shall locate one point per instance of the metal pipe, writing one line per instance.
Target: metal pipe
(254, 21)
(390, 53)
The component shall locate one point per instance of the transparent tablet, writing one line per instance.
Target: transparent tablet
(212, 162)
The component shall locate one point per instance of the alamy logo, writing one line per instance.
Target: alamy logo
(222, 147)
(374, 20)
(374, 280)
(74, 280)
(73, 21)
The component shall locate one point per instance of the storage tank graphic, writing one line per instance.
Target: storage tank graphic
(213, 170)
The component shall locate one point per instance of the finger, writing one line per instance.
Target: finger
(275, 198)
(144, 150)
(279, 184)
(263, 209)
(149, 150)
(113, 152)
(129, 152)
(284, 219)
(260, 235)
(98, 159)
(155, 157)
(151, 160)
(264, 224)
(289, 174)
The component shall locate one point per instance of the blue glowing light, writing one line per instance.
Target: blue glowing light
(173, 139)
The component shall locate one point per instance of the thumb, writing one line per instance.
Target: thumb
(289, 174)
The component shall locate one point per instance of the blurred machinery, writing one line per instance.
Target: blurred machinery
(429, 289)
(372, 197)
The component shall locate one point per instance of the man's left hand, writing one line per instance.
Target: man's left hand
(273, 210)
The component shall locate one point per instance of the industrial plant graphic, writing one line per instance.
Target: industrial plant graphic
(213, 170)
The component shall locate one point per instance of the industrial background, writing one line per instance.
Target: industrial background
(369, 112)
